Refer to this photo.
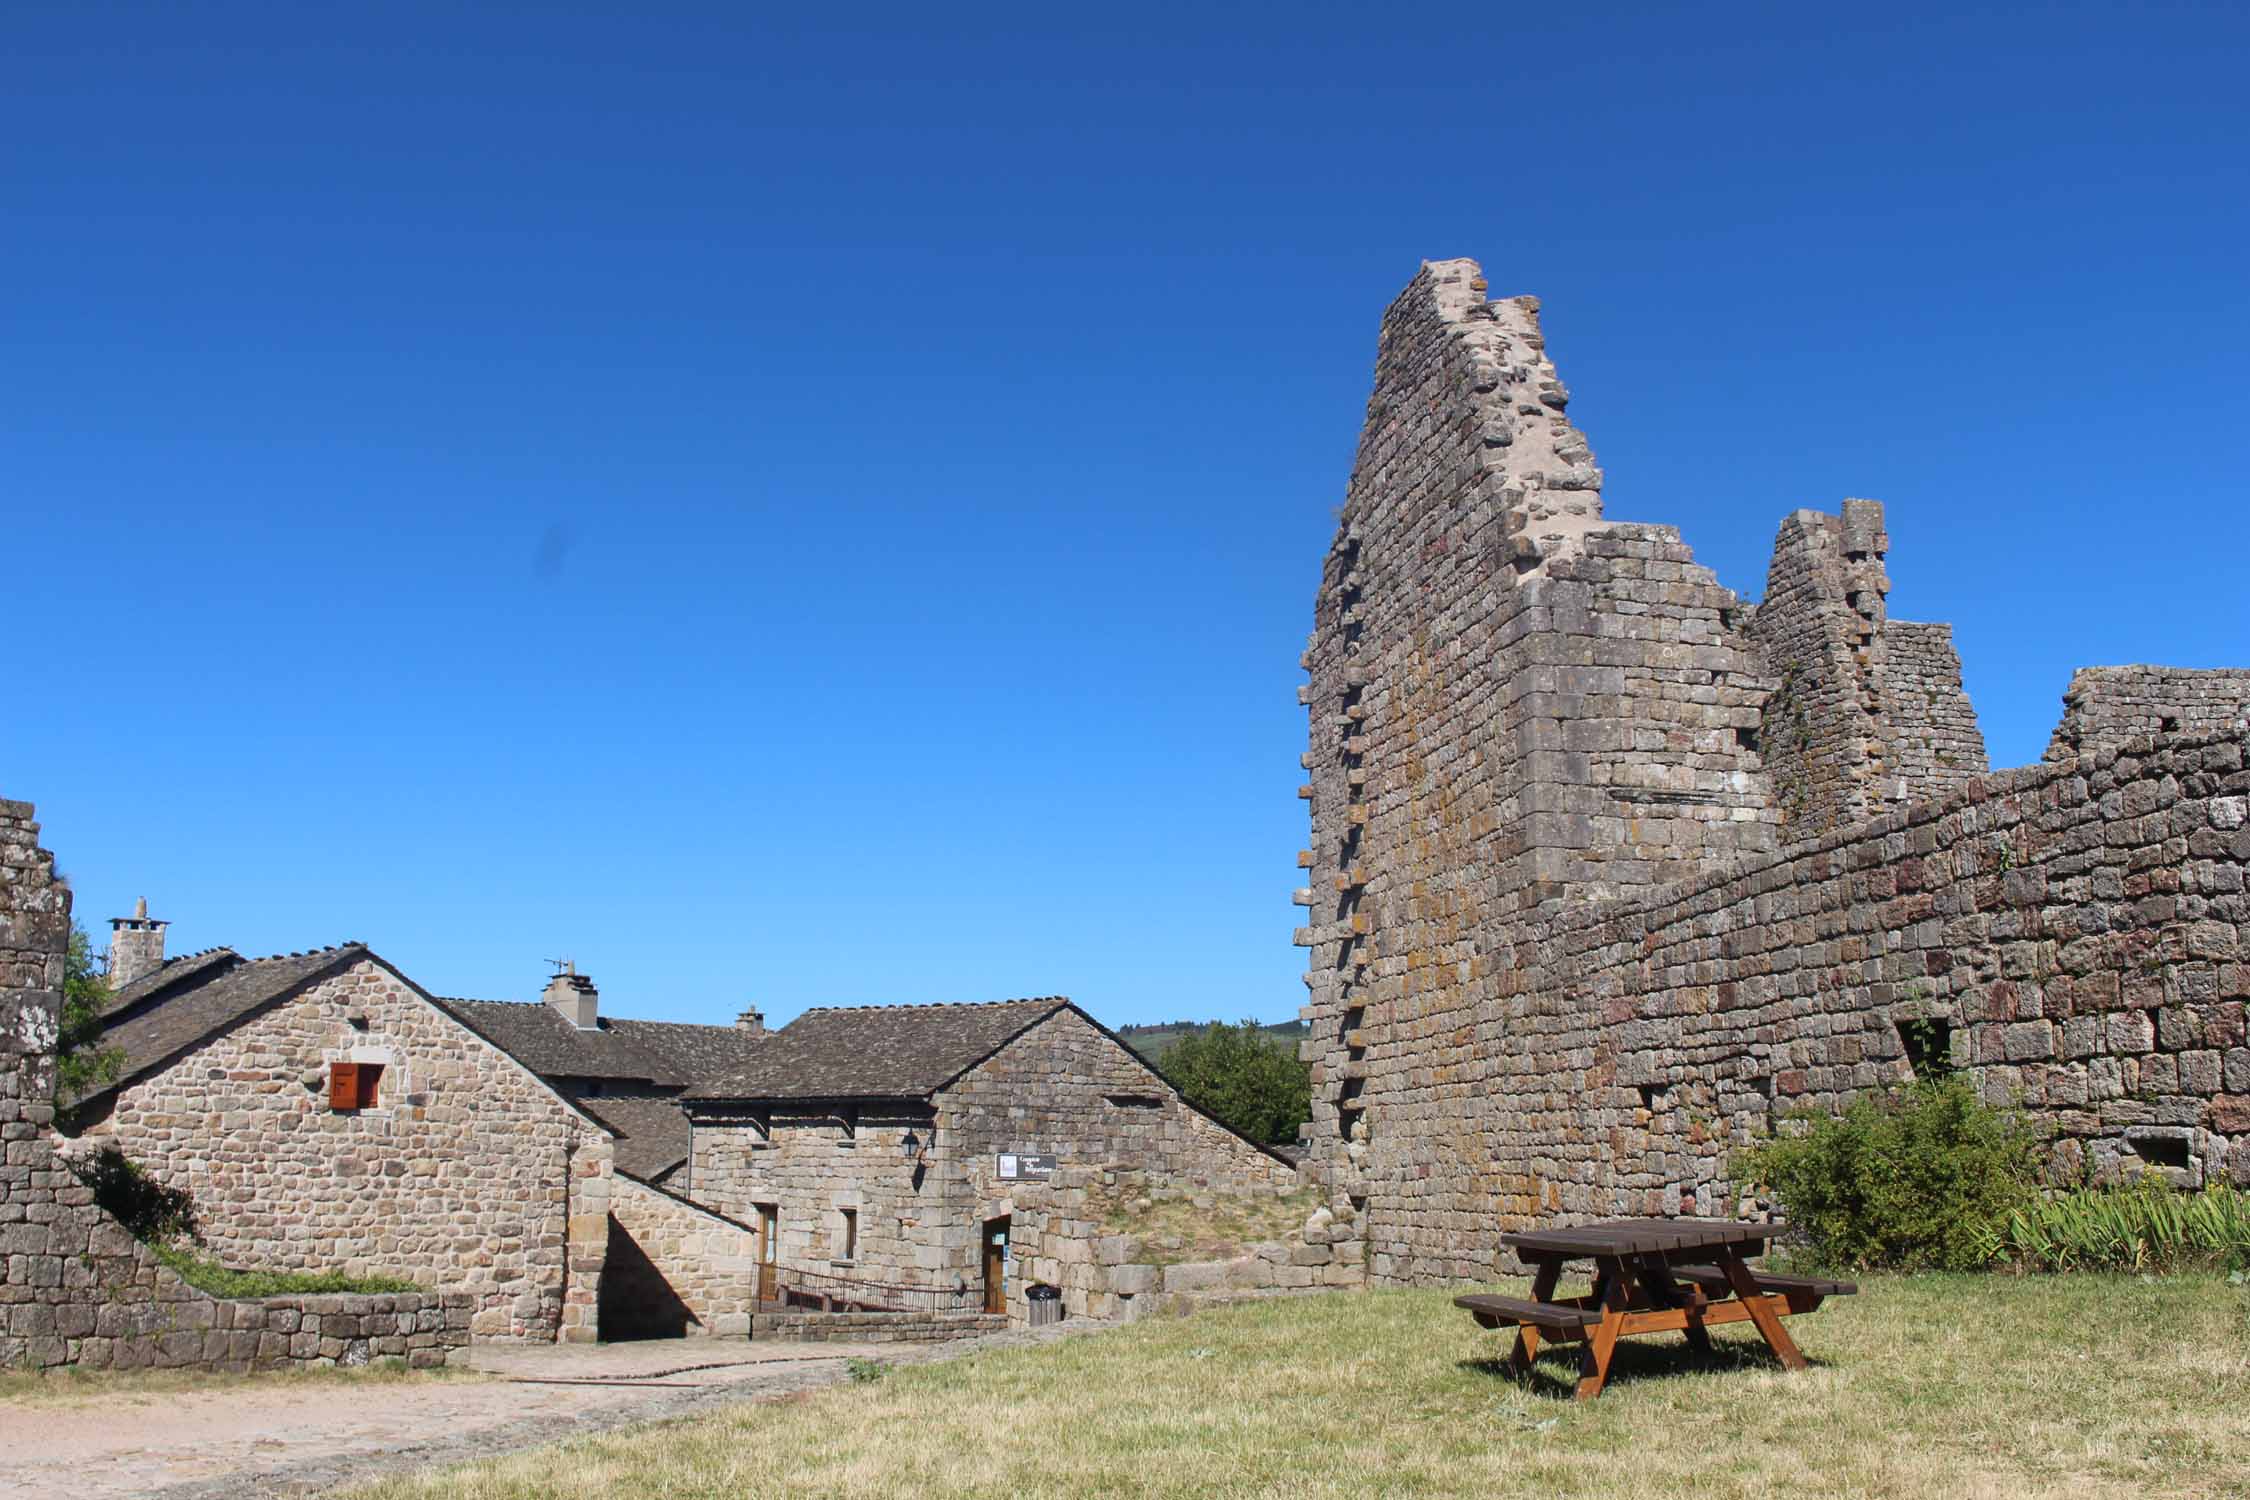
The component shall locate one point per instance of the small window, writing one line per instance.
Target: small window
(354, 1085)
(848, 1118)
(769, 1231)
(1136, 1101)
(851, 1233)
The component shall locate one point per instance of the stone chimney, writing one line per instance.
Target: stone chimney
(752, 1020)
(136, 945)
(574, 996)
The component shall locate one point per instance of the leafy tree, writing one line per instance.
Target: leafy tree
(82, 1063)
(1243, 1076)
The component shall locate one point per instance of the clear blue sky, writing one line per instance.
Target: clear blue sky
(822, 504)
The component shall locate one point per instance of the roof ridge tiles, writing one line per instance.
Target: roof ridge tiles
(940, 1004)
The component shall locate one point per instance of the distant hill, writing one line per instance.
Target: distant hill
(1150, 1041)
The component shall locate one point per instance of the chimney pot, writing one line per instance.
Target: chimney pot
(574, 997)
(752, 1020)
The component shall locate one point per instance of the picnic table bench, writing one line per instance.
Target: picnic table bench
(1650, 1276)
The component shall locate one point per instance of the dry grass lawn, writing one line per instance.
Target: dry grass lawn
(1207, 1226)
(1927, 1386)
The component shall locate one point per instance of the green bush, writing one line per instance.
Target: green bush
(2147, 1226)
(154, 1213)
(1907, 1180)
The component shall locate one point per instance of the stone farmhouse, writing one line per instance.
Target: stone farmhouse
(1611, 868)
(326, 1112)
(573, 1175)
(921, 1145)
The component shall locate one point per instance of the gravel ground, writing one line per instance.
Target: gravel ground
(270, 1439)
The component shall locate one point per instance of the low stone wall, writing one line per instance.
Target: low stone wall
(1060, 1239)
(272, 1333)
(874, 1327)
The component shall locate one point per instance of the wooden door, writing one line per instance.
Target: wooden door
(769, 1229)
(996, 1265)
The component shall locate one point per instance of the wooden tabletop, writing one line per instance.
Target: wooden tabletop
(1642, 1236)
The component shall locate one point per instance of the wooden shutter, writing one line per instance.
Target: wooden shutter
(343, 1085)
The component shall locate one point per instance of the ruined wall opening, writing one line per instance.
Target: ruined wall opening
(1928, 1044)
(635, 1301)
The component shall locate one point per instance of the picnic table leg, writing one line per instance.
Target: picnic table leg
(1601, 1340)
(1745, 1284)
(1527, 1337)
(1665, 1291)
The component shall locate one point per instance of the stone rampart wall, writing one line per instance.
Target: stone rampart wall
(2082, 929)
(1607, 866)
(2106, 705)
(468, 1174)
(1936, 747)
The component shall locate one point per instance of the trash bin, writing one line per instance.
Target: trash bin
(1046, 1303)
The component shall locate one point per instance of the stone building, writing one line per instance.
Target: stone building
(1609, 866)
(327, 1113)
(628, 1074)
(673, 1267)
(75, 1287)
(920, 1146)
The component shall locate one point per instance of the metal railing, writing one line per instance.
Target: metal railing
(792, 1287)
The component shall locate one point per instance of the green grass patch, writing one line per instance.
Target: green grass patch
(2148, 1226)
(207, 1275)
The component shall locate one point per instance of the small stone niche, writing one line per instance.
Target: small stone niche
(1928, 1044)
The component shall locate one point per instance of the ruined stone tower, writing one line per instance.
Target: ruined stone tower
(1533, 730)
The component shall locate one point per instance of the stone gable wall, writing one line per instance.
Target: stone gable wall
(470, 1173)
(1063, 1088)
(1067, 1089)
(2107, 705)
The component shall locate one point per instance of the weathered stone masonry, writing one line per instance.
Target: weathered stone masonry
(920, 1174)
(75, 1288)
(1608, 865)
(469, 1173)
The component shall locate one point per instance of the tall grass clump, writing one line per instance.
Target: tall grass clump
(1905, 1180)
(2146, 1226)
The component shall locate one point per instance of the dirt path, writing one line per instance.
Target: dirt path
(272, 1438)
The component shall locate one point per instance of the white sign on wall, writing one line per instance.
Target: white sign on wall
(1016, 1166)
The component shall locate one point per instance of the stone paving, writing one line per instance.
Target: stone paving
(280, 1438)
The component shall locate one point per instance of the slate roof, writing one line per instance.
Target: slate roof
(211, 997)
(878, 1051)
(535, 1034)
(170, 974)
(652, 1133)
(697, 1053)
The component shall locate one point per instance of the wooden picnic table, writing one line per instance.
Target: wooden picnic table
(1650, 1276)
